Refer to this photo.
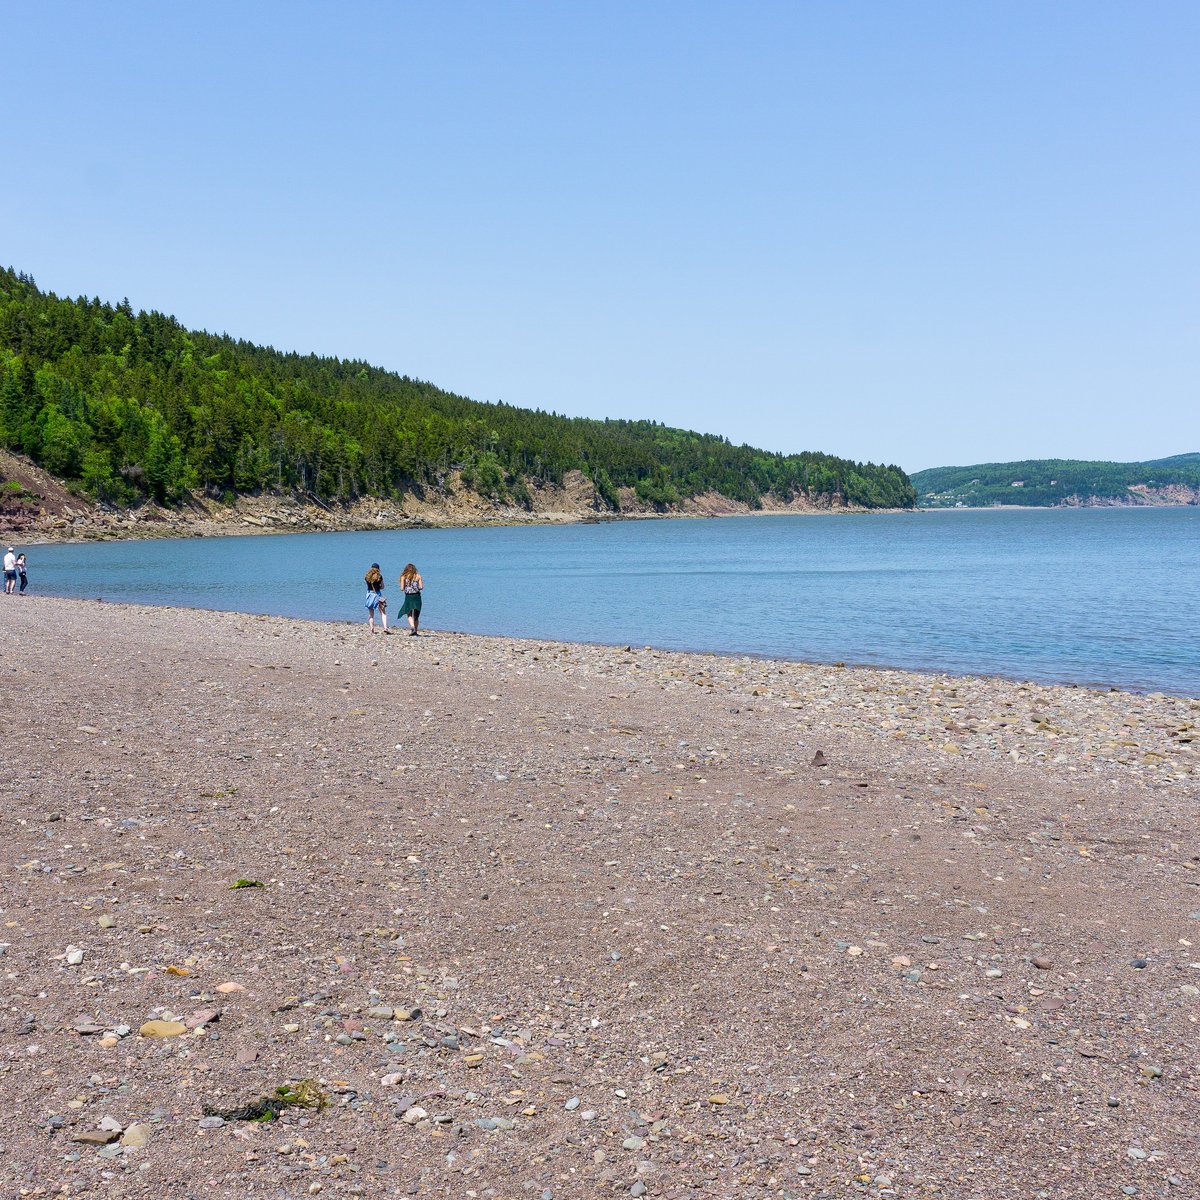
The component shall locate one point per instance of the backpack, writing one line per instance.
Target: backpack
(373, 578)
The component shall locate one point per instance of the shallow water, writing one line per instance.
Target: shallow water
(1095, 596)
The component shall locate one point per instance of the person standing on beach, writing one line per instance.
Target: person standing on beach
(376, 600)
(10, 572)
(411, 584)
(21, 575)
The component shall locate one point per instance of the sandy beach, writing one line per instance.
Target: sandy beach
(559, 921)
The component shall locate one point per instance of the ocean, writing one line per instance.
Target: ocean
(1102, 597)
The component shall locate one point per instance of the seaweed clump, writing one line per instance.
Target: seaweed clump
(305, 1094)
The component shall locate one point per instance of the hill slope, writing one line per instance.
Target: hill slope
(128, 407)
(1048, 482)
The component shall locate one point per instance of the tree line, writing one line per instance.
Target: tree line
(131, 405)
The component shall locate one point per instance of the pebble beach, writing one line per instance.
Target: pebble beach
(509, 918)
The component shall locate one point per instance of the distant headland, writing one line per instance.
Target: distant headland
(1062, 483)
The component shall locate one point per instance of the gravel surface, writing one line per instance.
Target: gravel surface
(558, 921)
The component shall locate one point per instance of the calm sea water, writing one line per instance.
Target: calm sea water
(1098, 596)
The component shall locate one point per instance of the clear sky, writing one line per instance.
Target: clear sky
(920, 233)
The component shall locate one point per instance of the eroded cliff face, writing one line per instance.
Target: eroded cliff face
(1140, 495)
(1173, 493)
(36, 507)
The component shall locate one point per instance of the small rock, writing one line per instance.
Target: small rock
(226, 988)
(572, 1104)
(638, 1189)
(380, 1012)
(211, 1122)
(106, 922)
(414, 1114)
(96, 1137)
(74, 956)
(1042, 964)
(111, 1124)
(633, 1143)
(1139, 964)
(1151, 1072)
(719, 1098)
(163, 1029)
(137, 1136)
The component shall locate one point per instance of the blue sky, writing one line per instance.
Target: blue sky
(921, 233)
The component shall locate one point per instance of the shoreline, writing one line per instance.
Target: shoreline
(548, 916)
(163, 530)
(51, 514)
(1099, 687)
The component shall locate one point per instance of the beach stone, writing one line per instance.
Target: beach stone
(163, 1029)
(96, 1137)
(137, 1136)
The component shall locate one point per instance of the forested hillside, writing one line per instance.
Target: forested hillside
(1046, 482)
(128, 405)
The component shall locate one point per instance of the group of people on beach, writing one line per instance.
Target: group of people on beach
(14, 573)
(411, 584)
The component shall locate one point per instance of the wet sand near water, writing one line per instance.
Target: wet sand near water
(568, 921)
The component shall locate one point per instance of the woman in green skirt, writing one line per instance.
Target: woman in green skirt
(411, 584)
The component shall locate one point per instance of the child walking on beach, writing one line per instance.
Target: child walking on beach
(376, 600)
(411, 584)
